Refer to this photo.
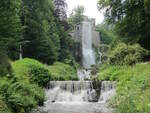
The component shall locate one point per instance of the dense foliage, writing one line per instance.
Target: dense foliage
(10, 27)
(3, 106)
(5, 66)
(61, 71)
(77, 16)
(107, 35)
(17, 93)
(123, 54)
(130, 18)
(20, 96)
(40, 30)
(133, 87)
(34, 70)
(22, 90)
(34, 29)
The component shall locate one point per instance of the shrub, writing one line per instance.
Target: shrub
(133, 87)
(36, 71)
(124, 54)
(61, 71)
(20, 92)
(3, 106)
(20, 96)
(107, 36)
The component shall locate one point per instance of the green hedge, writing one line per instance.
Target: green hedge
(133, 87)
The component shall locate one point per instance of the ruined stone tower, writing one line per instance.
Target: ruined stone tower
(77, 32)
(77, 35)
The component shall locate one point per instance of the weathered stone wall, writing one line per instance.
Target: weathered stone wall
(77, 36)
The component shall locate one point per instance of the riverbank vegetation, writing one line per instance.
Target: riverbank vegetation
(39, 32)
(126, 33)
(23, 88)
(62, 72)
(133, 87)
(18, 94)
(35, 29)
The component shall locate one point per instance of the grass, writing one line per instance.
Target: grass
(133, 87)
(57, 71)
(23, 90)
(61, 71)
(33, 70)
(19, 94)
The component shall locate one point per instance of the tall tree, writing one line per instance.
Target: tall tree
(63, 29)
(77, 16)
(40, 31)
(10, 27)
(131, 18)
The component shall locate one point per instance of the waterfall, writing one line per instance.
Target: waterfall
(77, 97)
(80, 91)
(80, 96)
(108, 90)
(70, 91)
(84, 74)
(87, 51)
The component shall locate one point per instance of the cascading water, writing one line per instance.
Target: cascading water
(108, 90)
(84, 74)
(87, 51)
(80, 96)
(70, 91)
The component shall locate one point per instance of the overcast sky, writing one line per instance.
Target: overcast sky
(90, 8)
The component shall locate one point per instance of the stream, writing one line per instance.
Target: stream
(80, 96)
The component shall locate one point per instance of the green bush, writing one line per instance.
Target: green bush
(124, 54)
(19, 96)
(133, 87)
(107, 36)
(3, 106)
(21, 92)
(36, 71)
(61, 71)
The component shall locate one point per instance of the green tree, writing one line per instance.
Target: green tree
(131, 19)
(65, 43)
(107, 34)
(77, 16)
(10, 27)
(41, 31)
